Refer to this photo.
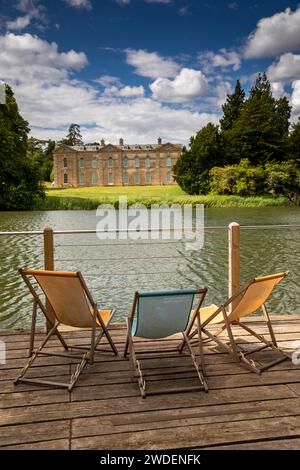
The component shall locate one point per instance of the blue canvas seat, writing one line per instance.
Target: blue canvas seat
(158, 315)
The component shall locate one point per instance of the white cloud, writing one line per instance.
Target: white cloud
(277, 90)
(287, 68)
(223, 59)
(151, 64)
(106, 80)
(32, 11)
(50, 99)
(86, 4)
(125, 92)
(233, 6)
(123, 2)
(295, 98)
(186, 86)
(275, 35)
(19, 23)
(27, 57)
(184, 11)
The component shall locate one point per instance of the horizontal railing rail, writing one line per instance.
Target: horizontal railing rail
(172, 229)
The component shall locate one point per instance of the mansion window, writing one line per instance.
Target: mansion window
(65, 163)
(125, 177)
(65, 178)
(81, 163)
(110, 178)
(125, 162)
(148, 177)
(169, 177)
(94, 163)
(137, 179)
(148, 162)
(81, 178)
(94, 178)
(168, 162)
(110, 162)
(137, 162)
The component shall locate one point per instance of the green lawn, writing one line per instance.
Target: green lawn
(90, 198)
(113, 192)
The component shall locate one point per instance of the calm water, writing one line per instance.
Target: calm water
(115, 269)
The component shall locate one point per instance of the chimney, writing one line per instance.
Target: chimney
(159, 141)
(121, 142)
(102, 142)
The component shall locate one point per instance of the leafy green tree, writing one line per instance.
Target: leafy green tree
(41, 153)
(192, 168)
(20, 178)
(294, 142)
(284, 179)
(260, 133)
(242, 179)
(232, 108)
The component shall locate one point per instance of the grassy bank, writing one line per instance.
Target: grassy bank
(90, 198)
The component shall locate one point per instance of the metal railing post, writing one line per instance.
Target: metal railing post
(48, 265)
(234, 260)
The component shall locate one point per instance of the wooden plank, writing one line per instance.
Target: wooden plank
(195, 436)
(279, 444)
(164, 378)
(58, 444)
(29, 398)
(36, 432)
(129, 407)
(136, 422)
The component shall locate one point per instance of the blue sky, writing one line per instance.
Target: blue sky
(142, 68)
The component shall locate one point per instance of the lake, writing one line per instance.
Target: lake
(115, 269)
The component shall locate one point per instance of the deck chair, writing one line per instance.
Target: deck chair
(249, 299)
(71, 304)
(157, 315)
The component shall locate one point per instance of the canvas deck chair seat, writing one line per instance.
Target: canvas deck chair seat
(248, 300)
(67, 302)
(158, 315)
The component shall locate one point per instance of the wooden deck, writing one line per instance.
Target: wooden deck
(105, 411)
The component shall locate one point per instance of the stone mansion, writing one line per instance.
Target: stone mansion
(120, 165)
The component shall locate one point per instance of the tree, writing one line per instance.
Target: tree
(192, 168)
(260, 132)
(74, 136)
(294, 142)
(232, 108)
(242, 179)
(41, 152)
(284, 178)
(20, 183)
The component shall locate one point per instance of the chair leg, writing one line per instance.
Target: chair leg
(33, 324)
(269, 325)
(199, 373)
(35, 354)
(79, 369)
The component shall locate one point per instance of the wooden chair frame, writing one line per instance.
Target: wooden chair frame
(136, 363)
(86, 357)
(232, 347)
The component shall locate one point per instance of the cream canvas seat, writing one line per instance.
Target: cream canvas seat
(68, 302)
(248, 300)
